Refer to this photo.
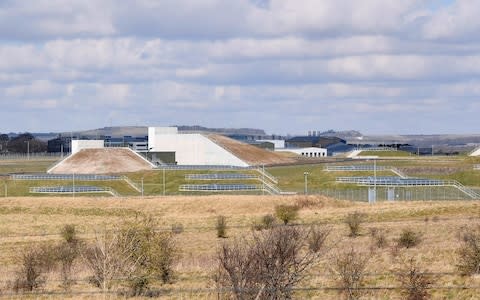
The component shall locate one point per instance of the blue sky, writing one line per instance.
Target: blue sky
(287, 66)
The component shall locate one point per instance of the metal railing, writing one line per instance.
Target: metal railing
(34, 155)
(219, 187)
(476, 167)
(364, 168)
(65, 177)
(355, 168)
(267, 175)
(220, 176)
(407, 182)
(71, 189)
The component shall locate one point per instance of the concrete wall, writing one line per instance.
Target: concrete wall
(307, 152)
(476, 152)
(278, 144)
(153, 132)
(78, 145)
(192, 149)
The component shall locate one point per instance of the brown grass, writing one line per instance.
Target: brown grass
(23, 221)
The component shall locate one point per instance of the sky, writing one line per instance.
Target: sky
(286, 66)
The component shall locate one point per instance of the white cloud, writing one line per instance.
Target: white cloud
(456, 22)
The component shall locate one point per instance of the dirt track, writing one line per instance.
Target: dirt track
(102, 161)
(250, 154)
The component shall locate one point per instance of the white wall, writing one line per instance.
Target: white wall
(307, 152)
(78, 145)
(192, 149)
(278, 144)
(475, 152)
(155, 131)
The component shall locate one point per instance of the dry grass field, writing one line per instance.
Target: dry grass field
(25, 222)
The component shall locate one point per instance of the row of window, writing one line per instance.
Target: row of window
(313, 154)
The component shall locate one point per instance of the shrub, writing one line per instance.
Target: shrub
(414, 282)
(111, 256)
(469, 252)
(317, 237)
(350, 268)
(69, 233)
(268, 266)
(177, 228)
(354, 222)
(154, 251)
(67, 252)
(379, 238)
(267, 222)
(221, 227)
(286, 213)
(35, 263)
(409, 238)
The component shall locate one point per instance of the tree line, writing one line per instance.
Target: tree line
(22, 143)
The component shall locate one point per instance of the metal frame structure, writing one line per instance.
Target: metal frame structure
(71, 190)
(66, 177)
(219, 187)
(364, 168)
(221, 176)
(407, 182)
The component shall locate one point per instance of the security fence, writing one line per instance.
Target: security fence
(422, 193)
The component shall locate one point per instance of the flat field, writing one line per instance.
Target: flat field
(27, 221)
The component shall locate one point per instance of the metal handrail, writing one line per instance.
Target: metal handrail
(218, 187)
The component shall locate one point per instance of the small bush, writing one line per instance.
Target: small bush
(67, 252)
(177, 228)
(69, 233)
(354, 222)
(221, 227)
(379, 238)
(267, 222)
(350, 268)
(317, 237)
(414, 282)
(409, 238)
(286, 213)
(469, 252)
(35, 263)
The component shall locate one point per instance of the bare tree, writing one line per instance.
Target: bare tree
(350, 268)
(415, 282)
(269, 265)
(35, 263)
(110, 258)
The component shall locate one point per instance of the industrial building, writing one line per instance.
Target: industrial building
(167, 145)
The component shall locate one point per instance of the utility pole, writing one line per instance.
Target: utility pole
(73, 185)
(164, 180)
(305, 174)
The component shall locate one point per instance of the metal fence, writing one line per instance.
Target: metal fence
(420, 193)
(220, 176)
(218, 187)
(25, 156)
(66, 177)
(476, 167)
(70, 189)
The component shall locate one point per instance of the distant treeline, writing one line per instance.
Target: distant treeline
(22, 143)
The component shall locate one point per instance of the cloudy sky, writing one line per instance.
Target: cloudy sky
(287, 66)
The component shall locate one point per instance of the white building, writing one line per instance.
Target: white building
(78, 145)
(306, 152)
(188, 149)
(475, 152)
(277, 144)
